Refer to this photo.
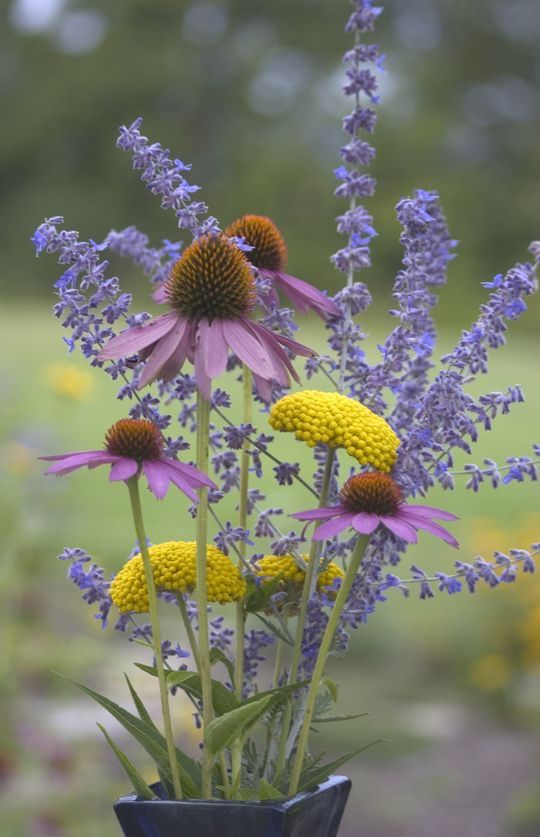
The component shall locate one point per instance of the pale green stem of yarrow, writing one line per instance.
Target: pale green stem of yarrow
(247, 414)
(134, 496)
(203, 424)
(324, 650)
(309, 585)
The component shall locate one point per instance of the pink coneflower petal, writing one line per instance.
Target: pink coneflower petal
(134, 339)
(190, 473)
(213, 347)
(318, 514)
(123, 469)
(432, 527)
(365, 522)
(71, 462)
(158, 477)
(248, 348)
(86, 455)
(174, 364)
(183, 483)
(429, 511)
(281, 364)
(305, 296)
(293, 345)
(164, 349)
(400, 528)
(334, 526)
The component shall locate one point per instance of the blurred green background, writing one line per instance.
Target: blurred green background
(250, 93)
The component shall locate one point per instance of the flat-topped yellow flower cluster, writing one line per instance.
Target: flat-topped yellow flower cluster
(174, 568)
(272, 566)
(340, 422)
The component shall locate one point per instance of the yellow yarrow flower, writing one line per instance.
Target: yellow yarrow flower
(272, 566)
(174, 568)
(337, 421)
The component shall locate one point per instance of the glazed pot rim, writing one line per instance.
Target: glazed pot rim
(282, 803)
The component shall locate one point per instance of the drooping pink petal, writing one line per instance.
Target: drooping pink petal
(294, 346)
(365, 522)
(400, 528)
(428, 511)
(203, 381)
(432, 527)
(213, 347)
(163, 350)
(281, 363)
(87, 454)
(247, 347)
(123, 469)
(158, 477)
(333, 527)
(183, 484)
(318, 514)
(133, 339)
(305, 296)
(190, 473)
(71, 462)
(263, 387)
(174, 364)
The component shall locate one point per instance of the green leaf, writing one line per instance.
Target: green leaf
(280, 692)
(139, 705)
(287, 638)
(332, 688)
(247, 795)
(268, 791)
(190, 682)
(314, 776)
(219, 656)
(153, 742)
(221, 732)
(327, 719)
(140, 787)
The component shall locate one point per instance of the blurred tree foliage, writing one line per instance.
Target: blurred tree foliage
(249, 93)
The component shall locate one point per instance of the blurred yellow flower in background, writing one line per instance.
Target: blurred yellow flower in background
(69, 381)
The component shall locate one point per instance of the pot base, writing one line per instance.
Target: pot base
(314, 814)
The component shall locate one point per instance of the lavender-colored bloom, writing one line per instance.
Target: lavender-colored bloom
(132, 447)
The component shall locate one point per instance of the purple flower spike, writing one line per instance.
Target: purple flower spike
(371, 499)
(133, 446)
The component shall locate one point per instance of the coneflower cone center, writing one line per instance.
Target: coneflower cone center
(373, 492)
(261, 233)
(137, 439)
(211, 280)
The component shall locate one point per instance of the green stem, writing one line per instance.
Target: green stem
(322, 657)
(192, 639)
(278, 664)
(203, 424)
(134, 496)
(247, 414)
(307, 590)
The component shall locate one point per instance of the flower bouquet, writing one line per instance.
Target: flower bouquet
(382, 435)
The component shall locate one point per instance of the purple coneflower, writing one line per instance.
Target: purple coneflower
(269, 256)
(371, 499)
(132, 446)
(211, 292)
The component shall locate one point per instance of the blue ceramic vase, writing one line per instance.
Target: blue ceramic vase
(314, 814)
